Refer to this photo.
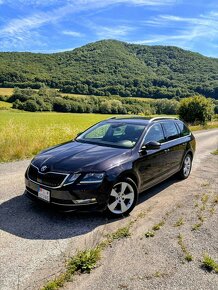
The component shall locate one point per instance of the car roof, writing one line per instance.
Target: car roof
(139, 119)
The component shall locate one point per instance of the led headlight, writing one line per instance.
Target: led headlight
(93, 178)
(71, 178)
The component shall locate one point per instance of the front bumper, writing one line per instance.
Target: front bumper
(84, 197)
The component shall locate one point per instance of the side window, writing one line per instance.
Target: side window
(155, 133)
(184, 130)
(170, 130)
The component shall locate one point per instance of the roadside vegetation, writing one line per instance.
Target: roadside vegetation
(187, 255)
(209, 264)
(85, 261)
(24, 134)
(215, 152)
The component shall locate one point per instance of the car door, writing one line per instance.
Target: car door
(150, 163)
(175, 146)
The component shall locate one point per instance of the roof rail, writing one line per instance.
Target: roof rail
(128, 117)
(162, 118)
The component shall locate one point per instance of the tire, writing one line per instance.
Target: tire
(123, 198)
(186, 167)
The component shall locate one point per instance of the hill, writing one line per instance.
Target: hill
(113, 67)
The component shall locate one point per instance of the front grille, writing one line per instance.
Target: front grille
(51, 179)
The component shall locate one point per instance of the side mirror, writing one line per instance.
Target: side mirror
(151, 145)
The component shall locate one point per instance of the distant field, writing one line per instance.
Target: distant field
(6, 91)
(5, 105)
(24, 134)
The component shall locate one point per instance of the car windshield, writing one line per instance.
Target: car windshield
(121, 135)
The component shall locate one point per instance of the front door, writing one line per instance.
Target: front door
(150, 165)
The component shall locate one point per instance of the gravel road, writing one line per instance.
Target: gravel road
(35, 241)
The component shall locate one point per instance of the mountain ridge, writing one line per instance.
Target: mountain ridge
(113, 67)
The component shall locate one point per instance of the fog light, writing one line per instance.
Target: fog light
(85, 201)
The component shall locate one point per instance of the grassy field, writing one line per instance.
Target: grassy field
(23, 134)
(5, 105)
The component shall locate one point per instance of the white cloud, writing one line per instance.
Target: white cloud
(72, 33)
(19, 28)
(188, 31)
(112, 32)
(39, 19)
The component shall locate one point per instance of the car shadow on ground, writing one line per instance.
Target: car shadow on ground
(24, 218)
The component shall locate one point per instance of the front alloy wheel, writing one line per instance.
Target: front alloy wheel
(123, 198)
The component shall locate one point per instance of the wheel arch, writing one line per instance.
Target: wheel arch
(131, 175)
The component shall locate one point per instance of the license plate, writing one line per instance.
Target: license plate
(44, 194)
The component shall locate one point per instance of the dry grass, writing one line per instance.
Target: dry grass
(6, 91)
(210, 125)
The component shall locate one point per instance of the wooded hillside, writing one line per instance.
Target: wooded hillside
(111, 67)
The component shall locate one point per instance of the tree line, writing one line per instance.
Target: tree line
(46, 99)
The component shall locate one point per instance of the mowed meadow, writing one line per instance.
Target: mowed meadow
(23, 134)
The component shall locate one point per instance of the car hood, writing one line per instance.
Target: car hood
(80, 157)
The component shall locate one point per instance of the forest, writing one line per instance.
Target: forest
(111, 67)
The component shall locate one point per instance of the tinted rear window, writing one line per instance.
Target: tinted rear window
(170, 130)
(183, 128)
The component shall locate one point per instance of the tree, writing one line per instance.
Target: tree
(196, 110)
(31, 106)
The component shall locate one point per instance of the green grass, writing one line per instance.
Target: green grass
(188, 256)
(158, 226)
(209, 264)
(24, 134)
(120, 234)
(85, 261)
(179, 222)
(149, 234)
(196, 227)
(5, 105)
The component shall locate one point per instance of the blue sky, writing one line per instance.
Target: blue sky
(55, 25)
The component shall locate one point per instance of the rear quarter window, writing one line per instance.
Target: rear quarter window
(184, 130)
(170, 130)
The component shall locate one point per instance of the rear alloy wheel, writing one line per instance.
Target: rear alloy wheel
(186, 167)
(123, 198)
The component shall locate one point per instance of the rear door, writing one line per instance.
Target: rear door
(174, 145)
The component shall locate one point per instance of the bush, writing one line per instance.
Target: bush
(31, 106)
(196, 110)
(165, 106)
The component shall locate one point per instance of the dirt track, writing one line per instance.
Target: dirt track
(35, 242)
